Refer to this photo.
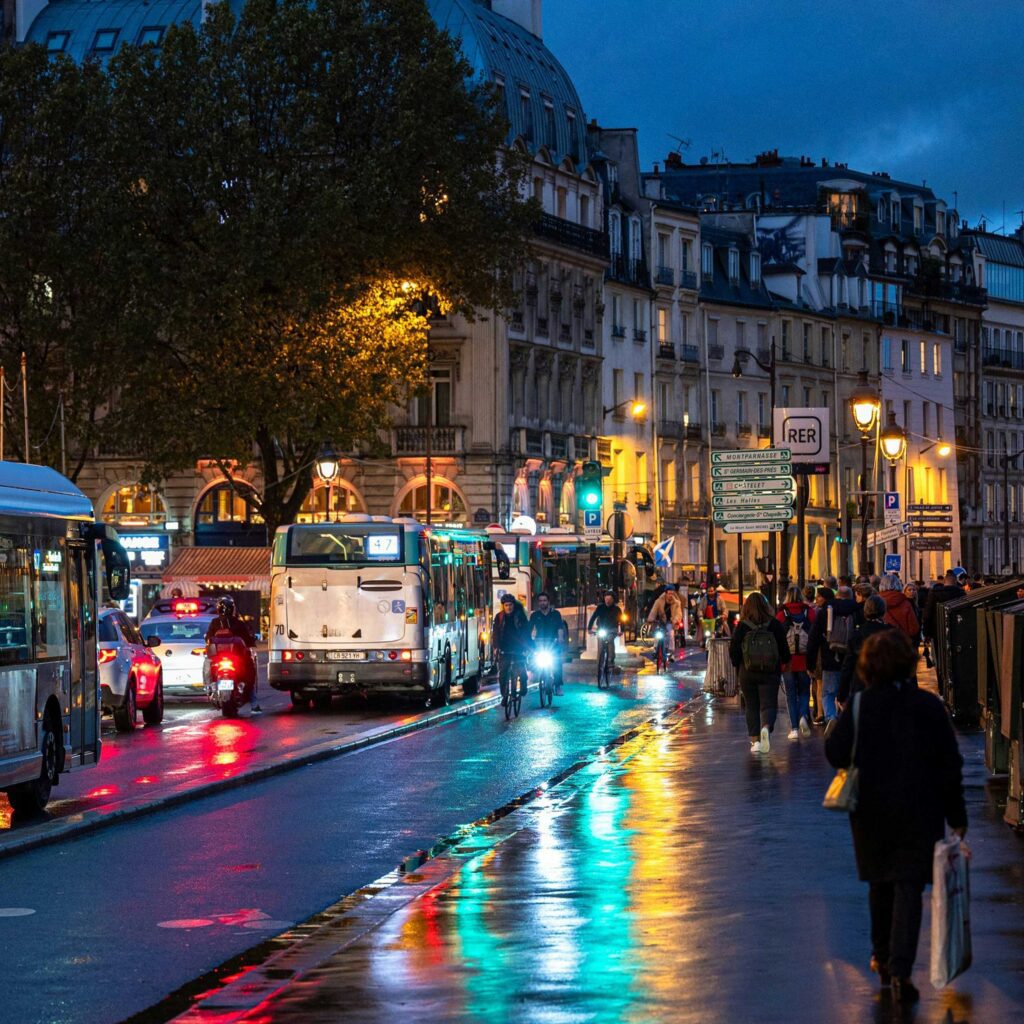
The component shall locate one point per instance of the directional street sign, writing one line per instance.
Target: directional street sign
(731, 515)
(931, 543)
(751, 471)
(932, 529)
(886, 535)
(923, 519)
(752, 456)
(749, 500)
(929, 508)
(752, 490)
(775, 527)
(766, 485)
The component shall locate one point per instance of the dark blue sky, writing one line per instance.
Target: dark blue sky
(924, 89)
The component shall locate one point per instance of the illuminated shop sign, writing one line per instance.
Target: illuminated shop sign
(147, 552)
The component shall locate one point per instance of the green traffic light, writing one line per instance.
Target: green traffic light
(592, 499)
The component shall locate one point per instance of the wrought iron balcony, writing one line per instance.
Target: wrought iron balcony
(618, 331)
(639, 334)
(443, 440)
(628, 271)
(666, 351)
(690, 354)
(670, 429)
(573, 236)
(693, 432)
(1002, 358)
(688, 279)
(665, 275)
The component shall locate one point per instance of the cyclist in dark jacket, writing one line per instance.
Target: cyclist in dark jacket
(510, 636)
(607, 616)
(547, 628)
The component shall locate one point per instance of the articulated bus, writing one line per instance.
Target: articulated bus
(378, 604)
(56, 565)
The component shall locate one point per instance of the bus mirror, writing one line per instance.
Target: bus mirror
(504, 567)
(119, 575)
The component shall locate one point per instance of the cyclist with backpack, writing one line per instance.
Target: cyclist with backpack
(760, 652)
(797, 617)
(835, 621)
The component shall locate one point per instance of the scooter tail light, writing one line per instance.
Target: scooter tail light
(225, 664)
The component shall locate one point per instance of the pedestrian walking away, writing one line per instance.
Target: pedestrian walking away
(899, 610)
(874, 622)
(910, 786)
(797, 617)
(760, 651)
(835, 620)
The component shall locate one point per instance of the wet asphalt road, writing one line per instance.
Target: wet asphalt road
(123, 917)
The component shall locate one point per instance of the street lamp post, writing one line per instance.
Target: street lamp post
(865, 406)
(741, 355)
(894, 448)
(327, 468)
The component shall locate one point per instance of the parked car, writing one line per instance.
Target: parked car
(131, 678)
(180, 624)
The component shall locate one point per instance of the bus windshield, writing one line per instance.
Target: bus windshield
(344, 544)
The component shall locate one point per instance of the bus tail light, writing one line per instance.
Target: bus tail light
(392, 655)
(286, 655)
(299, 655)
(107, 656)
(406, 655)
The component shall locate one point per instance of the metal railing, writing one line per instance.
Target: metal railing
(618, 331)
(639, 334)
(629, 271)
(666, 351)
(690, 354)
(688, 279)
(693, 432)
(1002, 358)
(665, 275)
(573, 236)
(670, 428)
(443, 440)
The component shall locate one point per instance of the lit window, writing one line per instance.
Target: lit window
(151, 36)
(937, 359)
(57, 41)
(106, 39)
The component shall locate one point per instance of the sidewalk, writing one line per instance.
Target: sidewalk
(678, 879)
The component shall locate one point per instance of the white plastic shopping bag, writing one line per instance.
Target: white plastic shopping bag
(951, 918)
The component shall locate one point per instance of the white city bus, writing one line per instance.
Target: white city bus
(52, 553)
(377, 604)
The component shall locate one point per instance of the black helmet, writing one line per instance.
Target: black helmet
(226, 606)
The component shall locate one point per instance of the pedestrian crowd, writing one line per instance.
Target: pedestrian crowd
(845, 654)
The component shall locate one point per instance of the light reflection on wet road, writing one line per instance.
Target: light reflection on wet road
(692, 884)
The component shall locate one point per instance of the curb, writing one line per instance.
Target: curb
(32, 837)
(230, 992)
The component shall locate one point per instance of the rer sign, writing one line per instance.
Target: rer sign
(805, 432)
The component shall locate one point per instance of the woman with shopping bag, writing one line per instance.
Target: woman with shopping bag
(899, 741)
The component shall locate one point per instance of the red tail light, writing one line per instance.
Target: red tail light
(225, 664)
(106, 656)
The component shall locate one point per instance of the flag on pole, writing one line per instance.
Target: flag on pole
(663, 553)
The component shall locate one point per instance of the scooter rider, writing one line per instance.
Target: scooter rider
(607, 616)
(227, 621)
(548, 627)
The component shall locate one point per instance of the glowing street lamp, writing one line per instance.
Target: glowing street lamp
(327, 468)
(865, 406)
(894, 441)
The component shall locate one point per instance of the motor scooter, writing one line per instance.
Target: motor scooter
(232, 675)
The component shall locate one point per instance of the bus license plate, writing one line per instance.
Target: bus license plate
(346, 677)
(345, 656)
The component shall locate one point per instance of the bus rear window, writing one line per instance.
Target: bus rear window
(341, 544)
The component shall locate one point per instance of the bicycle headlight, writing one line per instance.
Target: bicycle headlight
(544, 660)
(660, 635)
(602, 633)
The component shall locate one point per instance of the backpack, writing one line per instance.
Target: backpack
(797, 632)
(840, 632)
(760, 651)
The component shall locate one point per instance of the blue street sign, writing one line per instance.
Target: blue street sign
(592, 518)
(894, 563)
(892, 501)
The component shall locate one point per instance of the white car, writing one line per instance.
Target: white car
(181, 625)
(131, 679)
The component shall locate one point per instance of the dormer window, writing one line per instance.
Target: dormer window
(734, 265)
(525, 114)
(940, 222)
(755, 269)
(615, 233)
(881, 210)
(550, 138)
(707, 260)
(918, 219)
(894, 212)
(151, 35)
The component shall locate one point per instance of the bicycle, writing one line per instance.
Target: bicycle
(511, 701)
(544, 668)
(605, 658)
(660, 649)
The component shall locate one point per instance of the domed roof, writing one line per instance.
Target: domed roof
(541, 103)
(533, 80)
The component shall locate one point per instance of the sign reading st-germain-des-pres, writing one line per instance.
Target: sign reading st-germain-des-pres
(805, 432)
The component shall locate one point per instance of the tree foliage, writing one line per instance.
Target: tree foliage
(263, 185)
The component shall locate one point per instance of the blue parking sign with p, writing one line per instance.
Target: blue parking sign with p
(592, 518)
(892, 501)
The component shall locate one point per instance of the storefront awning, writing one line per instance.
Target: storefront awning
(192, 568)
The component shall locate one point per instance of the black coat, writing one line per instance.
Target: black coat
(736, 653)
(849, 681)
(910, 780)
(817, 645)
(939, 594)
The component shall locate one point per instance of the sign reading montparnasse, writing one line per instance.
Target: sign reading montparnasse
(752, 490)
